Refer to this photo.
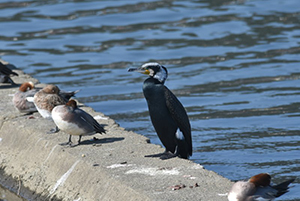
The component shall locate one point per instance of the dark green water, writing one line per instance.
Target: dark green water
(235, 66)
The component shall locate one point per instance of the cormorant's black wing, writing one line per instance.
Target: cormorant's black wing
(180, 116)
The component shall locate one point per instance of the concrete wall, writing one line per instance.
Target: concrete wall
(112, 168)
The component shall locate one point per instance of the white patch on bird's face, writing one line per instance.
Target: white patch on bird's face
(161, 75)
(146, 65)
(151, 72)
(179, 135)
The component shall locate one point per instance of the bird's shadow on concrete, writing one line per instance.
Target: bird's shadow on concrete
(162, 156)
(154, 155)
(101, 141)
(7, 86)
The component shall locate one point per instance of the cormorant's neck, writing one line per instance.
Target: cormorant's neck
(153, 88)
(153, 81)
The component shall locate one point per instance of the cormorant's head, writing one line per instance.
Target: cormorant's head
(153, 69)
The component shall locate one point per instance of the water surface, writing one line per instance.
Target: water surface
(233, 64)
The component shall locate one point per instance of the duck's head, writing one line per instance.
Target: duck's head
(72, 103)
(262, 179)
(26, 86)
(51, 89)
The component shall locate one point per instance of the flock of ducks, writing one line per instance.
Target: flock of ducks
(167, 114)
(52, 103)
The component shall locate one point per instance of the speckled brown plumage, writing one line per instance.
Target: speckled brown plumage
(47, 98)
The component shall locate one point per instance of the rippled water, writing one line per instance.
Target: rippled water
(234, 65)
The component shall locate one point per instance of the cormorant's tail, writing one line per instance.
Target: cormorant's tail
(182, 149)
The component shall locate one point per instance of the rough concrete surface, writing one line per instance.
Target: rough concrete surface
(112, 168)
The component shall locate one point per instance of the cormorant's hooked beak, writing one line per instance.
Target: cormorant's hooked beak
(140, 70)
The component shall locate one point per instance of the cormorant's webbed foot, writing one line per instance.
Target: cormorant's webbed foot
(167, 155)
(163, 156)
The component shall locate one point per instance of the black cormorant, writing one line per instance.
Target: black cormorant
(167, 114)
